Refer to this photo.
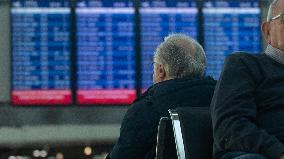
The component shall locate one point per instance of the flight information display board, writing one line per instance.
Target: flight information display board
(230, 26)
(41, 52)
(160, 18)
(105, 52)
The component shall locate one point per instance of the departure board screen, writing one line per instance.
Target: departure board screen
(230, 26)
(105, 52)
(160, 18)
(41, 52)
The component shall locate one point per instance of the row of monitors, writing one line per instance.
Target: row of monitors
(106, 56)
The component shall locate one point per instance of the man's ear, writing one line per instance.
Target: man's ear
(161, 72)
(265, 28)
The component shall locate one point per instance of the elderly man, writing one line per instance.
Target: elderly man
(248, 104)
(178, 78)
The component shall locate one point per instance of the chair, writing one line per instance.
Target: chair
(193, 132)
(165, 148)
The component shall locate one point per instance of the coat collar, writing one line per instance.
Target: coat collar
(275, 54)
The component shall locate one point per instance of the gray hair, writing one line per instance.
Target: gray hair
(181, 56)
(271, 10)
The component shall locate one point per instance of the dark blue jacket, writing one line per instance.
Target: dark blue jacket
(139, 128)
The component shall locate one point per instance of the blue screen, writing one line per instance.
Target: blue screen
(229, 26)
(41, 52)
(106, 40)
(106, 55)
(160, 18)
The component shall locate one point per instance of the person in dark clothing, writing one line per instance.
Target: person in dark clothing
(247, 108)
(179, 80)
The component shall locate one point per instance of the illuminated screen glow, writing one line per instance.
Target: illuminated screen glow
(106, 55)
(41, 52)
(229, 26)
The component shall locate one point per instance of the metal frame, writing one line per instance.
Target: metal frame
(177, 134)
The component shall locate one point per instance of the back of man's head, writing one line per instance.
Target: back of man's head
(181, 56)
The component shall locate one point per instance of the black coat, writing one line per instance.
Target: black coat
(248, 106)
(139, 128)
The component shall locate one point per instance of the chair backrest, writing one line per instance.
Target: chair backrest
(193, 132)
(165, 148)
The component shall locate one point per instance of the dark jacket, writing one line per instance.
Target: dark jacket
(248, 106)
(138, 131)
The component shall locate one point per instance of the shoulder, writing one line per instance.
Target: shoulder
(140, 106)
(243, 59)
(245, 65)
(209, 80)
